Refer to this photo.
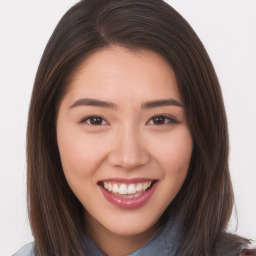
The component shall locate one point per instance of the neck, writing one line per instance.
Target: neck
(114, 244)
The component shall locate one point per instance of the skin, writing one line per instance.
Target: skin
(126, 142)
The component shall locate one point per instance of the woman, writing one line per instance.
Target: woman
(127, 142)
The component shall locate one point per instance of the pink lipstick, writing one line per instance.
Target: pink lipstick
(128, 194)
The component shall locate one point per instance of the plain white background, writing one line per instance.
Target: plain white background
(228, 31)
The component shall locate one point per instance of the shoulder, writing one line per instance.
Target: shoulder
(250, 249)
(233, 245)
(247, 252)
(26, 250)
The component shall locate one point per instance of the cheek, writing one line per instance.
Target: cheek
(173, 152)
(174, 156)
(80, 153)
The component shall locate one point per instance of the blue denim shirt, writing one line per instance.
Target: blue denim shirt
(163, 243)
(159, 244)
(27, 250)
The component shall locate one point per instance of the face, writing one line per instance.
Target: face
(123, 139)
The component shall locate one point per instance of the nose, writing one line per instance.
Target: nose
(128, 150)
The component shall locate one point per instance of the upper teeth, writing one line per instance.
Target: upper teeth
(126, 188)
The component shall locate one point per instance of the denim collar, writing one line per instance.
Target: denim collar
(164, 242)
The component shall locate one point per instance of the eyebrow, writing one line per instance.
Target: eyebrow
(160, 103)
(106, 104)
(93, 102)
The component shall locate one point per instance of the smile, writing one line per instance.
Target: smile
(124, 189)
(128, 194)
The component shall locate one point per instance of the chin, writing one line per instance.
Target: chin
(131, 226)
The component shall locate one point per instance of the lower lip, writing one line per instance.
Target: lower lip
(129, 203)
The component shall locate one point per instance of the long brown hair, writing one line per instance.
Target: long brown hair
(205, 199)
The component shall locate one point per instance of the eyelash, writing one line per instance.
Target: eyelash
(166, 118)
(90, 118)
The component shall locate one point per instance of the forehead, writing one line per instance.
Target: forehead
(119, 71)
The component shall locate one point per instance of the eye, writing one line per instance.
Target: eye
(162, 120)
(94, 120)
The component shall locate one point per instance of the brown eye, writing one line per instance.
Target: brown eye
(158, 120)
(162, 120)
(94, 120)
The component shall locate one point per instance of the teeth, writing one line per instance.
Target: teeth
(125, 189)
(115, 188)
(131, 189)
(109, 187)
(139, 187)
(145, 185)
(131, 196)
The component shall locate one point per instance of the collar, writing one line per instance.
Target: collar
(164, 242)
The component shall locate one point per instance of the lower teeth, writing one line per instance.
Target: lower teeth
(129, 196)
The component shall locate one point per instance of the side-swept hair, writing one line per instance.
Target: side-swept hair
(205, 199)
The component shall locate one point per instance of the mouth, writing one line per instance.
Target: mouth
(128, 194)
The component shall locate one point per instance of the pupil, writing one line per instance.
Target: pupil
(159, 120)
(96, 120)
